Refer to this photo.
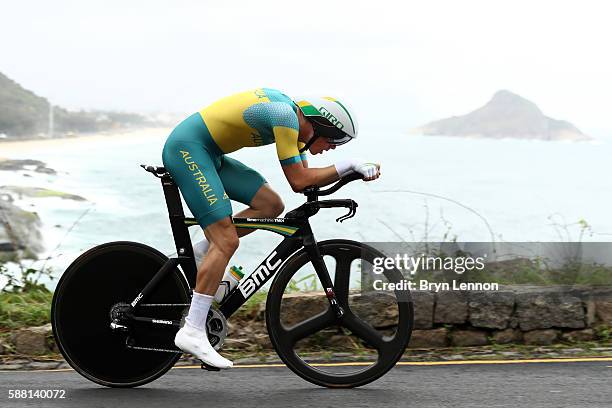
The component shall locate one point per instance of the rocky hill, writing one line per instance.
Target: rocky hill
(25, 114)
(506, 115)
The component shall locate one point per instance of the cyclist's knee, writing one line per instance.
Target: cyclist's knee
(230, 244)
(277, 207)
(267, 202)
(223, 237)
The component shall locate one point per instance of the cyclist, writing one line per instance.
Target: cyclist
(195, 156)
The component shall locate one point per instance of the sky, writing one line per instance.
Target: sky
(400, 64)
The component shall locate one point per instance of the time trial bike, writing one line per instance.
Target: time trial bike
(118, 306)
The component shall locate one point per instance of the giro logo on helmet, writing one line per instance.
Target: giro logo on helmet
(329, 116)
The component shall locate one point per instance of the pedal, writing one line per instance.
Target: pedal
(209, 367)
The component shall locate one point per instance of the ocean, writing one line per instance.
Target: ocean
(431, 189)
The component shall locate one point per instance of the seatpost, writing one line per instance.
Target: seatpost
(180, 232)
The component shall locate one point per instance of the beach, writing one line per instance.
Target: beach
(21, 148)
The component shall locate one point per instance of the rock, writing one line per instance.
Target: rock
(579, 335)
(379, 309)
(43, 365)
(541, 337)
(488, 355)
(604, 311)
(238, 343)
(1, 348)
(491, 310)
(10, 367)
(297, 307)
(451, 307)
(38, 192)
(20, 361)
(463, 338)
(248, 360)
(263, 341)
(45, 170)
(52, 345)
(507, 336)
(20, 164)
(543, 310)
(591, 312)
(19, 230)
(32, 340)
(429, 338)
(572, 350)
(454, 357)
(339, 341)
(258, 312)
(423, 309)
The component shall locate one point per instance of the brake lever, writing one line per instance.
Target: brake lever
(350, 214)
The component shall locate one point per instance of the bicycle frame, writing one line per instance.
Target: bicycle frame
(297, 233)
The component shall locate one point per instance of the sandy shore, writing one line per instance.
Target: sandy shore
(21, 148)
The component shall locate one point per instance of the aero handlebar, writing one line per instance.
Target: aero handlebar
(313, 192)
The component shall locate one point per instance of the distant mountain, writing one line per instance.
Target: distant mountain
(506, 115)
(24, 114)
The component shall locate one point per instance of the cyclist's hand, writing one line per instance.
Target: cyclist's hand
(369, 171)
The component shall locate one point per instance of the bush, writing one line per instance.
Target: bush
(24, 301)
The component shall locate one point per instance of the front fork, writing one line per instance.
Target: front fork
(310, 244)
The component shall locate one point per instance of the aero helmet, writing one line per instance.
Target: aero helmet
(330, 119)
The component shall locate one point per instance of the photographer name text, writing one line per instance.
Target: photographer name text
(425, 285)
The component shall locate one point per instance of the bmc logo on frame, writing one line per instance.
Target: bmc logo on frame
(253, 281)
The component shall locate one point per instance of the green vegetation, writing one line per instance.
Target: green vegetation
(253, 304)
(29, 308)
(23, 113)
(24, 301)
(38, 192)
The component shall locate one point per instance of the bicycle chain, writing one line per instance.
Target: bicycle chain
(163, 304)
(153, 349)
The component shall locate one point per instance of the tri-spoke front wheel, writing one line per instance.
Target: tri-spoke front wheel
(353, 350)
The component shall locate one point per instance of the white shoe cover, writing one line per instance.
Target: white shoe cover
(194, 341)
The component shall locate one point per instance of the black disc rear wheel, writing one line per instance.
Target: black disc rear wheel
(320, 347)
(100, 281)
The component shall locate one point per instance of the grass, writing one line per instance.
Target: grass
(23, 309)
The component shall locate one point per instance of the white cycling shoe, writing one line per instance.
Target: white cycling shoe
(194, 341)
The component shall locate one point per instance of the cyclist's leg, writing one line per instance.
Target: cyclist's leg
(223, 242)
(245, 185)
(193, 169)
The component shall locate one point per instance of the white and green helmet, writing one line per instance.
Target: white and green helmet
(330, 118)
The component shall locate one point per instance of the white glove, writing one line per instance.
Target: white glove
(366, 169)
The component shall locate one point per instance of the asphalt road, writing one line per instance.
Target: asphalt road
(555, 385)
